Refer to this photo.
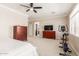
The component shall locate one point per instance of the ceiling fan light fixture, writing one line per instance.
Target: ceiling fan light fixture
(31, 9)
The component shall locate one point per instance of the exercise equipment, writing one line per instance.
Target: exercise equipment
(66, 50)
(64, 30)
(64, 43)
(65, 46)
(64, 38)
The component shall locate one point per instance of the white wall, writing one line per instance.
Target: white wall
(9, 18)
(74, 42)
(73, 39)
(30, 28)
(51, 21)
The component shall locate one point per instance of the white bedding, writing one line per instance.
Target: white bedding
(17, 48)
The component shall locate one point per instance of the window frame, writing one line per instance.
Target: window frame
(73, 24)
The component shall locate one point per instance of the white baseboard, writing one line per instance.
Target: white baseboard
(74, 49)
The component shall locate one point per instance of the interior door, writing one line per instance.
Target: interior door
(36, 29)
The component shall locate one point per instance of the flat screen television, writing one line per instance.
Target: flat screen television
(48, 27)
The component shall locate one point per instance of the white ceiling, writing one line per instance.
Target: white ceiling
(59, 9)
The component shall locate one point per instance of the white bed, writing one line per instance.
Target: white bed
(17, 48)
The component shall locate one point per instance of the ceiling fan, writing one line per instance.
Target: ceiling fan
(31, 7)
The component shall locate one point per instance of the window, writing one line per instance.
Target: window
(74, 24)
(77, 24)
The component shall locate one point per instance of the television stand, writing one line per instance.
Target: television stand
(49, 34)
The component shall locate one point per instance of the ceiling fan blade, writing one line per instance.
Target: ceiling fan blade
(24, 6)
(31, 4)
(27, 10)
(35, 11)
(37, 7)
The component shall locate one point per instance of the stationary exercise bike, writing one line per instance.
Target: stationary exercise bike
(64, 39)
(64, 30)
(65, 46)
(65, 49)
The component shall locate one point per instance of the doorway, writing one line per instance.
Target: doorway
(36, 29)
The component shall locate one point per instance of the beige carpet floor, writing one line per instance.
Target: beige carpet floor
(46, 47)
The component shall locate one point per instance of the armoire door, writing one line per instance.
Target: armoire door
(20, 33)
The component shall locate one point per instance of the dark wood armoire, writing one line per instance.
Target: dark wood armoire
(20, 33)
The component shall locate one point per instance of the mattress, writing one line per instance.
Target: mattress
(17, 48)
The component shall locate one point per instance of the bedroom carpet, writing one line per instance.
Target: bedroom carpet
(47, 47)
